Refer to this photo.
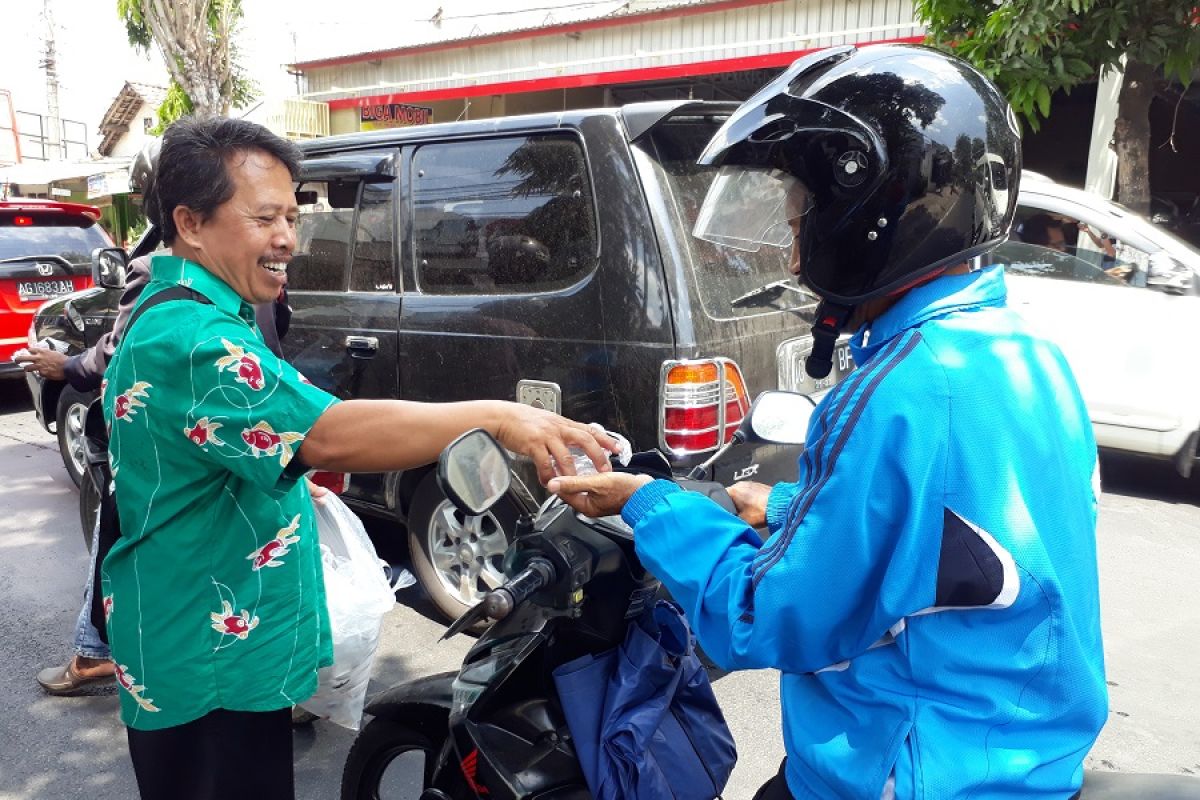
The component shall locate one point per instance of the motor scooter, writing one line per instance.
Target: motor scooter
(496, 729)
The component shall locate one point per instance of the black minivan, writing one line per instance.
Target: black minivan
(546, 259)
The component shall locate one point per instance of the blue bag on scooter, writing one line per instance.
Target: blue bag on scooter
(644, 718)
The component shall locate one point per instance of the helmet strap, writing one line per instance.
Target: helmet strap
(831, 318)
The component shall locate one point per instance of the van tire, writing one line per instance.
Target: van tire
(456, 559)
(68, 425)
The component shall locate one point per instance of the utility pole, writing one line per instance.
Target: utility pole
(50, 65)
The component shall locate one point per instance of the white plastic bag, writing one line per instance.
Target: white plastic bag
(358, 595)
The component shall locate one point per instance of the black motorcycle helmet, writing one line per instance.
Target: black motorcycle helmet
(893, 162)
(141, 177)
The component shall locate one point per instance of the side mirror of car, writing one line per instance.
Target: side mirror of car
(108, 267)
(1169, 276)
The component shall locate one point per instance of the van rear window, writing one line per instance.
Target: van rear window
(722, 274)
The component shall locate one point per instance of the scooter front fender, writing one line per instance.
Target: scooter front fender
(423, 703)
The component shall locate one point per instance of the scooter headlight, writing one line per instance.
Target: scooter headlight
(487, 669)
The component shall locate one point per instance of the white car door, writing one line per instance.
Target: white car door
(1132, 351)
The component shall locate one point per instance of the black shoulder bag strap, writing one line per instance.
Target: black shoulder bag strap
(99, 474)
(176, 292)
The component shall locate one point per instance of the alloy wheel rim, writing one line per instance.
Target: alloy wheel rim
(74, 434)
(467, 552)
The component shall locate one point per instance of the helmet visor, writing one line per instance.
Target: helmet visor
(748, 207)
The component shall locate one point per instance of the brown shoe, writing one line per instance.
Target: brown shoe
(302, 716)
(78, 674)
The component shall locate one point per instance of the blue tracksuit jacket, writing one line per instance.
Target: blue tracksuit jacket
(929, 590)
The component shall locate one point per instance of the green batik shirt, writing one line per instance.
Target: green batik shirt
(214, 594)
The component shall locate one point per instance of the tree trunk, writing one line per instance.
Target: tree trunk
(197, 55)
(1131, 137)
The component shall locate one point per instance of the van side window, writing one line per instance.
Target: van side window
(373, 269)
(324, 231)
(502, 216)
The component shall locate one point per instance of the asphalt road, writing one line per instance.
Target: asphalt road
(56, 748)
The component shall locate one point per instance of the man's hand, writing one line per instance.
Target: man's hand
(1121, 271)
(750, 500)
(543, 435)
(598, 495)
(316, 491)
(43, 361)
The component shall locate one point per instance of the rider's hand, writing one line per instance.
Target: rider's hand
(750, 500)
(543, 435)
(598, 495)
(43, 361)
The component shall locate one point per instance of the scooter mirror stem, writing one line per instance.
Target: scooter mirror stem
(700, 471)
(523, 495)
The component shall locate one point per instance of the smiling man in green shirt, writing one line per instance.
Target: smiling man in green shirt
(214, 595)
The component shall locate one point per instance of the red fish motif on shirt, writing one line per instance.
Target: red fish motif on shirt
(130, 685)
(269, 554)
(264, 441)
(130, 400)
(108, 607)
(231, 624)
(245, 364)
(204, 432)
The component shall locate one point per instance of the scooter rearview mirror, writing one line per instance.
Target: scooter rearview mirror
(473, 472)
(777, 417)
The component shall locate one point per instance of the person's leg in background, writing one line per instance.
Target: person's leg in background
(91, 663)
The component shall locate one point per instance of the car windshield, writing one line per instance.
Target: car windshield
(722, 274)
(73, 243)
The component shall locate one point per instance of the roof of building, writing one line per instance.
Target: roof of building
(437, 34)
(124, 108)
(41, 173)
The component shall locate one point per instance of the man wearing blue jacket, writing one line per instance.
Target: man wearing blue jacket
(929, 588)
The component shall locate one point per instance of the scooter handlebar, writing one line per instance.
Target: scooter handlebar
(499, 603)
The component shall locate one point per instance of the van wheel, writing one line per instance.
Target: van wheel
(72, 411)
(456, 557)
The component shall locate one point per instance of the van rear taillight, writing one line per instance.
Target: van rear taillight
(702, 404)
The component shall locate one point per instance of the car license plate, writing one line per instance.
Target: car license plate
(790, 359)
(43, 290)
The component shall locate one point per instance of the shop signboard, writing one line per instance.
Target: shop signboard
(107, 183)
(378, 116)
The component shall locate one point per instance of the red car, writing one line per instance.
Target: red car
(45, 251)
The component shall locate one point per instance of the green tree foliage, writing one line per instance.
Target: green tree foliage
(1033, 48)
(227, 85)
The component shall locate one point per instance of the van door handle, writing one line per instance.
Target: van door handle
(362, 346)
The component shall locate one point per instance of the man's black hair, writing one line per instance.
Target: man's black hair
(1036, 229)
(192, 164)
